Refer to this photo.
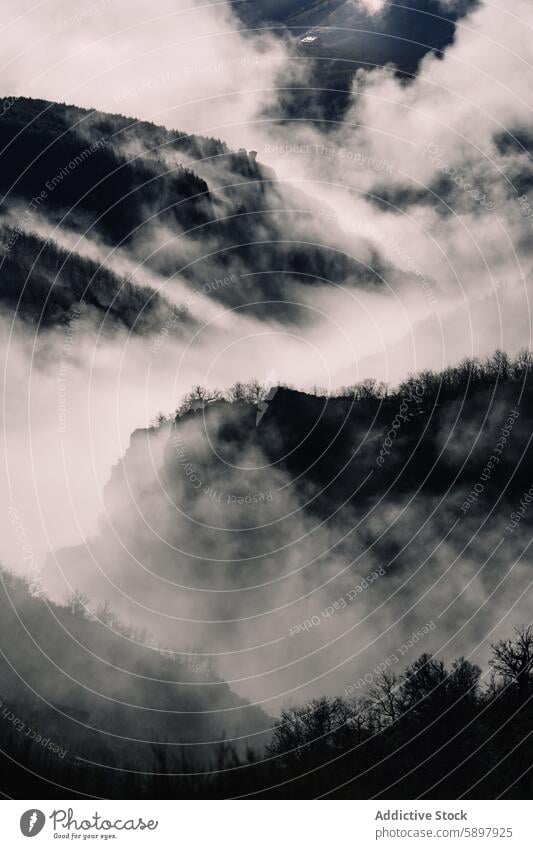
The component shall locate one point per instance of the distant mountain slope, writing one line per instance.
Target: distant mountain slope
(202, 516)
(222, 519)
(103, 691)
(77, 161)
(46, 285)
(184, 205)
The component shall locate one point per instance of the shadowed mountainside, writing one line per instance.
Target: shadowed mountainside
(102, 691)
(184, 206)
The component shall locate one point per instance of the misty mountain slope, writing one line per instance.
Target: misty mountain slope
(223, 532)
(100, 687)
(446, 426)
(46, 285)
(86, 175)
(439, 716)
(127, 133)
(185, 206)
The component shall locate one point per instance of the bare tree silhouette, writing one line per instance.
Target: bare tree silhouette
(513, 659)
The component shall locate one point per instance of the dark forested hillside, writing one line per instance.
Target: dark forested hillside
(335, 458)
(77, 687)
(429, 730)
(225, 463)
(432, 433)
(47, 286)
(202, 210)
(69, 162)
